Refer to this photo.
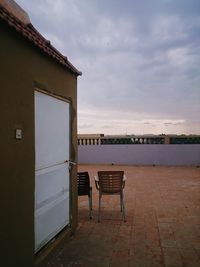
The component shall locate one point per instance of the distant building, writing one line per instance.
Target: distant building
(101, 139)
(89, 139)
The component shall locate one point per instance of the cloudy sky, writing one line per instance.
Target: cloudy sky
(140, 61)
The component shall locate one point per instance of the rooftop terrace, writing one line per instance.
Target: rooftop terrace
(162, 228)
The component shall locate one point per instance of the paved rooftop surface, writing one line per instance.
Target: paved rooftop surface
(162, 228)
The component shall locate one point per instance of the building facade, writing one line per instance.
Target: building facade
(38, 106)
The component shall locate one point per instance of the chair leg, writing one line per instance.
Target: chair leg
(99, 207)
(90, 206)
(123, 207)
(91, 196)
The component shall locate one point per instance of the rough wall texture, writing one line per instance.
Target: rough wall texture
(140, 154)
(22, 66)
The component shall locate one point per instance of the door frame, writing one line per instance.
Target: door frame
(68, 100)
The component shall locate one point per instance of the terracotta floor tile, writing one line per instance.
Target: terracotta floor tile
(162, 228)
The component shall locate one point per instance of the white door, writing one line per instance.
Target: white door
(52, 139)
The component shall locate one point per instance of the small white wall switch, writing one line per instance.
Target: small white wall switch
(18, 133)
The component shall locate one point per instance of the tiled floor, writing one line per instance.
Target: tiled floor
(162, 228)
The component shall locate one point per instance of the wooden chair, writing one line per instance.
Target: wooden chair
(84, 188)
(111, 183)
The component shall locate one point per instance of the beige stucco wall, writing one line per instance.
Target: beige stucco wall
(22, 66)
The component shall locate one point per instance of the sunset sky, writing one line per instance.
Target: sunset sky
(140, 61)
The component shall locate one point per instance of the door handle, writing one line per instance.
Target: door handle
(70, 162)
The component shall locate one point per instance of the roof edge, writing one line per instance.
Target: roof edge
(28, 31)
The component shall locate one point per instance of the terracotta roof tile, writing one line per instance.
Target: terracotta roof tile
(30, 33)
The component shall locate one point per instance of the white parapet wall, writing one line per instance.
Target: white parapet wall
(170, 155)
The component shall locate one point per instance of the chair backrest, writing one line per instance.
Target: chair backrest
(83, 182)
(110, 182)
